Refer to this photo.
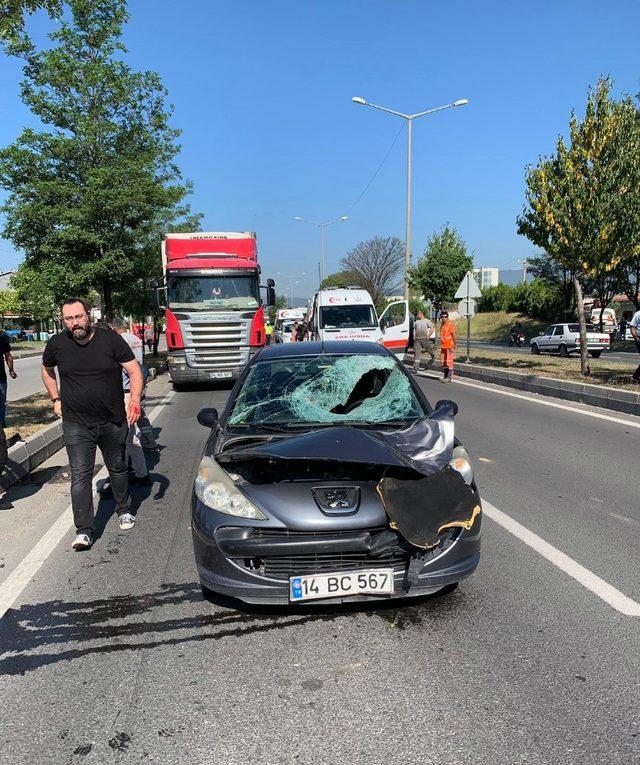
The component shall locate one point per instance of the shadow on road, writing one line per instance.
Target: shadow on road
(175, 615)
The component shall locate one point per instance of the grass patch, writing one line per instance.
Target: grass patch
(29, 415)
(603, 372)
(495, 326)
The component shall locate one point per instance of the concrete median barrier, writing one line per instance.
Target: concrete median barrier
(26, 455)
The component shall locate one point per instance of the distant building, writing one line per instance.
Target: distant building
(486, 277)
(513, 276)
(5, 278)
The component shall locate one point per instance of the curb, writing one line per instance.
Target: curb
(25, 456)
(583, 393)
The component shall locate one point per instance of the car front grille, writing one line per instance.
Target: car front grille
(285, 566)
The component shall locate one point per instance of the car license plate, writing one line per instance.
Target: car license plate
(370, 582)
(220, 375)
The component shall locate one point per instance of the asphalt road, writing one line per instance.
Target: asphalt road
(113, 655)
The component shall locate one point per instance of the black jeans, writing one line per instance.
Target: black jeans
(81, 443)
(636, 374)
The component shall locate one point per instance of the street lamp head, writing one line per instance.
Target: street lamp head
(358, 100)
(345, 217)
(461, 102)
(297, 217)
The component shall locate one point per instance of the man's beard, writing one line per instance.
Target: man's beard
(80, 333)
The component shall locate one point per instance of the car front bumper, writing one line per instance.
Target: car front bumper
(418, 576)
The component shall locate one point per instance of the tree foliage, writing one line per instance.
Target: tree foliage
(539, 299)
(12, 18)
(88, 194)
(377, 266)
(442, 267)
(583, 203)
(341, 279)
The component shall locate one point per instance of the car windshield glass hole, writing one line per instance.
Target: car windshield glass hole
(328, 389)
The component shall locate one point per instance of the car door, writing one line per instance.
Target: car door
(544, 341)
(394, 323)
(558, 334)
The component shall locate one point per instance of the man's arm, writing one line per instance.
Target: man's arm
(51, 384)
(9, 359)
(132, 368)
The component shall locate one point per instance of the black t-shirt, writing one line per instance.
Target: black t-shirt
(90, 376)
(4, 348)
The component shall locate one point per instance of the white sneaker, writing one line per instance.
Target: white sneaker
(127, 521)
(81, 542)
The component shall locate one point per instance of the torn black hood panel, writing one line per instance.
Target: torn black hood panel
(425, 447)
(422, 509)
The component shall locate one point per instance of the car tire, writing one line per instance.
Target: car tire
(562, 350)
(534, 349)
(595, 354)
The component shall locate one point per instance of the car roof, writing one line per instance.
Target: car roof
(335, 348)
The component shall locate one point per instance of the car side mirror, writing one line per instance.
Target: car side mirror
(271, 294)
(541, 333)
(208, 417)
(445, 403)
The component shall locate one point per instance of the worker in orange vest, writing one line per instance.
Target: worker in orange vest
(447, 346)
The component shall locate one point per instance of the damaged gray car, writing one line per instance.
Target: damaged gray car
(330, 477)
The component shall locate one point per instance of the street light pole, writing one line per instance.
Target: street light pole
(409, 118)
(322, 227)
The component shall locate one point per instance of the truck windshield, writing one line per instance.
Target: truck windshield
(344, 316)
(213, 293)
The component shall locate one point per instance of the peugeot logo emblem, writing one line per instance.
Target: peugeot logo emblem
(337, 500)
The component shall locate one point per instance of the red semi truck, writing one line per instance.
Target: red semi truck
(214, 312)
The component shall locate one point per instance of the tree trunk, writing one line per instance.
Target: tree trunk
(156, 335)
(107, 300)
(584, 354)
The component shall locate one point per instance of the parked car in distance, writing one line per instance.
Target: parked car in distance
(564, 339)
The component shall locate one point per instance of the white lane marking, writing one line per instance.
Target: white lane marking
(28, 567)
(541, 401)
(623, 518)
(586, 578)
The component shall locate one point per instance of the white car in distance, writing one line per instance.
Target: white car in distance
(564, 339)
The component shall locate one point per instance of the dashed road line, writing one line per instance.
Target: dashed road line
(616, 599)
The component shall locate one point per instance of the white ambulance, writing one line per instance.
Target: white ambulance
(348, 313)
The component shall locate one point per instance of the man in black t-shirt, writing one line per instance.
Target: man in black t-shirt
(5, 350)
(90, 361)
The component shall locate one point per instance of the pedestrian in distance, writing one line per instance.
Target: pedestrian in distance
(448, 337)
(422, 329)
(303, 332)
(90, 402)
(133, 444)
(623, 329)
(268, 331)
(294, 332)
(5, 350)
(634, 326)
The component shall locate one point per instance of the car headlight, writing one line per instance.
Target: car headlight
(216, 490)
(462, 463)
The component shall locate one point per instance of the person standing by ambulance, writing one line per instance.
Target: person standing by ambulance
(448, 337)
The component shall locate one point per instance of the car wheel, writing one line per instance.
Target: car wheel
(595, 354)
(534, 349)
(562, 350)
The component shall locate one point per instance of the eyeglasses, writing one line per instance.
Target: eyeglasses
(77, 317)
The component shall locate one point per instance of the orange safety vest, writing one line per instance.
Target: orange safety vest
(448, 335)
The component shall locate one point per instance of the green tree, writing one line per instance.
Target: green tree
(341, 279)
(582, 202)
(88, 194)
(442, 267)
(12, 17)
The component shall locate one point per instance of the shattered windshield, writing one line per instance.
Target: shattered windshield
(211, 293)
(327, 389)
(345, 316)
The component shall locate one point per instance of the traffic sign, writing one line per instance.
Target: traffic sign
(467, 307)
(468, 288)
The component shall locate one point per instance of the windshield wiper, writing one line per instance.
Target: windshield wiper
(264, 427)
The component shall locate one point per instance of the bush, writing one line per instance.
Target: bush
(538, 299)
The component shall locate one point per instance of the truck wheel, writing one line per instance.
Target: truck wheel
(562, 350)
(595, 354)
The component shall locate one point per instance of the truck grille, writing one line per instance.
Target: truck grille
(216, 344)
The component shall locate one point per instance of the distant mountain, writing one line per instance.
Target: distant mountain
(512, 276)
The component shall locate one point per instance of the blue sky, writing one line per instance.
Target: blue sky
(262, 91)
